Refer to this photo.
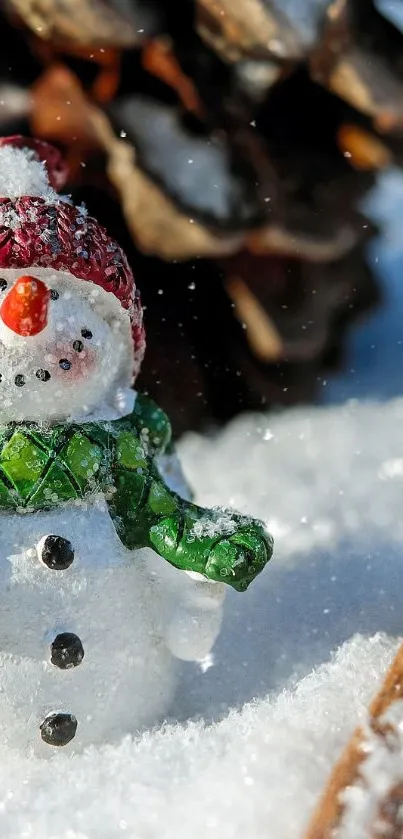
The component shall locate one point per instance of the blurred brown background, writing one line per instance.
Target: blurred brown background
(229, 146)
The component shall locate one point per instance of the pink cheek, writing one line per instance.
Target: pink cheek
(82, 365)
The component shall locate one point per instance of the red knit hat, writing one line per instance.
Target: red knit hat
(38, 228)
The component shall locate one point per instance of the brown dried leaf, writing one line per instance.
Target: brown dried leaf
(285, 305)
(218, 178)
(159, 59)
(365, 81)
(86, 22)
(275, 239)
(106, 61)
(237, 29)
(60, 108)
(364, 150)
(156, 224)
(261, 333)
(350, 67)
(62, 112)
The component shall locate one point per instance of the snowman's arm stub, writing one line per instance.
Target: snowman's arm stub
(220, 545)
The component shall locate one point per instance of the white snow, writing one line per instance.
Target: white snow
(21, 173)
(255, 774)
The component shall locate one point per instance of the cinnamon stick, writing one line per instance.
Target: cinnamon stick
(329, 811)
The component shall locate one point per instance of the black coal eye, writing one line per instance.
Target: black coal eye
(86, 333)
(54, 294)
(3, 284)
(78, 346)
(19, 380)
(43, 375)
(65, 364)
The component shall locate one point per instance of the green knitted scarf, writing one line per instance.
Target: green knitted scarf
(45, 467)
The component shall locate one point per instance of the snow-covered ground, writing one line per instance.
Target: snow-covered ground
(255, 731)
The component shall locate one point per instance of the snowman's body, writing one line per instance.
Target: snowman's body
(125, 678)
(121, 608)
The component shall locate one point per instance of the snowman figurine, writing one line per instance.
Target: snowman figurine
(108, 572)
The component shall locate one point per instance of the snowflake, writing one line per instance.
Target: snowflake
(218, 522)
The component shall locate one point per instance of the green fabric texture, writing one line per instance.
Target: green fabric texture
(42, 468)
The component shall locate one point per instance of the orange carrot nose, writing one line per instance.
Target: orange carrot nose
(25, 308)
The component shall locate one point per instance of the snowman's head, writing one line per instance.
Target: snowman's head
(71, 329)
(65, 348)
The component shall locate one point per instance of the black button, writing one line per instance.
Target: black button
(66, 651)
(58, 729)
(42, 375)
(57, 553)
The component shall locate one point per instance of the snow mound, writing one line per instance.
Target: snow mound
(259, 768)
(255, 729)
